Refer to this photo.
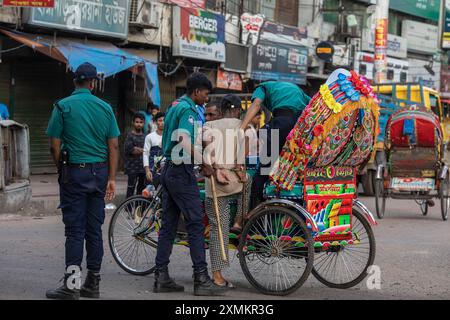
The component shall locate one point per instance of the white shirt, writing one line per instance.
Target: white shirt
(252, 135)
(151, 140)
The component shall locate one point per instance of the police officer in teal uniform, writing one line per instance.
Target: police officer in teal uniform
(180, 193)
(286, 101)
(84, 144)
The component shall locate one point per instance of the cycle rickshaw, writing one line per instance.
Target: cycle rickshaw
(415, 161)
(314, 224)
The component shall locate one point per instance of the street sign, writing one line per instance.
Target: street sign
(101, 17)
(325, 51)
(29, 3)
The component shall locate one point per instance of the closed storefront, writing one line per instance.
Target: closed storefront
(36, 85)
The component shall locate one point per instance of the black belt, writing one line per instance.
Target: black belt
(87, 165)
(284, 113)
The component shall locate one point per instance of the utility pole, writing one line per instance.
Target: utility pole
(381, 40)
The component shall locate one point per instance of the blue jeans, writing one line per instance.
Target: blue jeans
(83, 211)
(180, 194)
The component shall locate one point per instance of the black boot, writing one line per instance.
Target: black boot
(204, 286)
(163, 282)
(91, 286)
(63, 292)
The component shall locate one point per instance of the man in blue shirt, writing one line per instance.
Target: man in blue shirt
(286, 101)
(4, 114)
(180, 193)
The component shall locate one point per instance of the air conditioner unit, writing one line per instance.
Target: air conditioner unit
(145, 14)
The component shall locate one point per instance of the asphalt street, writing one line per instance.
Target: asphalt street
(413, 254)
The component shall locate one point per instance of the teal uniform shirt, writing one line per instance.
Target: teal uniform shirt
(281, 95)
(182, 117)
(84, 123)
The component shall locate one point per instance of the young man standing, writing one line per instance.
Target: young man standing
(149, 114)
(153, 146)
(83, 136)
(134, 148)
(180, 193)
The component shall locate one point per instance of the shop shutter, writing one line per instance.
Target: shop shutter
(4, 84)
(38, 84)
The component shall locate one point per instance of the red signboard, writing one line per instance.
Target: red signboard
(381, 45)
(229, 80)
(29, 3)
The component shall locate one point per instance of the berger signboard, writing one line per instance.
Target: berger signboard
(102, 17)
(198, 34)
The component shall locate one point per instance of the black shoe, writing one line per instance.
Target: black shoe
(163, 282)
(204, 286)
(63, 292)
(91, 286)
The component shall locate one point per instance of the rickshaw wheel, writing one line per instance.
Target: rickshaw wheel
(133, 235)
(443, 194)
(345, 268)
(276, 251)
(380, 198)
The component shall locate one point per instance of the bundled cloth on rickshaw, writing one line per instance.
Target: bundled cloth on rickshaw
(413, 142)
(338, 127)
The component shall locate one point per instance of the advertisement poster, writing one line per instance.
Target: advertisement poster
(251, 26)
(29, 3)
(229, 80)
(446, 37)
(281, 62)
(103, 17)
(381, 45)
(284, 34)
(198, 34)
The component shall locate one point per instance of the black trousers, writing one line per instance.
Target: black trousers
(180, 195)
(83, 214)
(284, 124)
(136, 182)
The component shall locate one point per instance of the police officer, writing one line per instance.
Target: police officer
(84, 144)
(286, 101)
(180, 190)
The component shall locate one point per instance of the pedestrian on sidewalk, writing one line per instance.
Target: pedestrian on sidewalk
(134, 149)
(4, 113)
(180, 192)
(84, 145)
(149, 115)
(153, 147)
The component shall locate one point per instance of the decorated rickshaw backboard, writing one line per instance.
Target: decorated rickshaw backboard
(329, 193)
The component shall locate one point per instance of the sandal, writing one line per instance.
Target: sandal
(236, 230)
(227, 284)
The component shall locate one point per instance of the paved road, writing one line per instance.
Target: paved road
(413, 253)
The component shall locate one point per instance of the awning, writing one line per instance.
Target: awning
(107, 58)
